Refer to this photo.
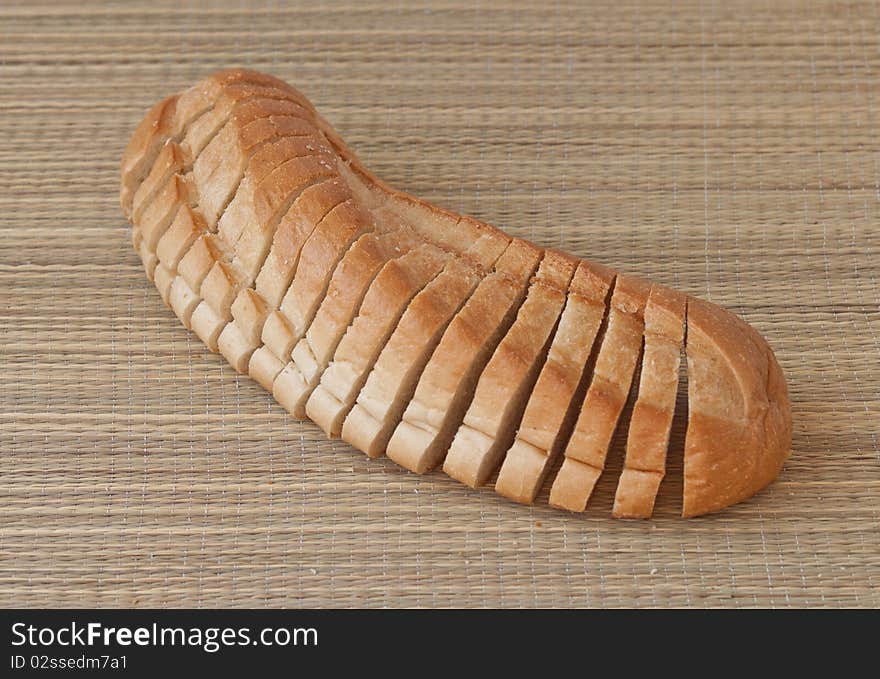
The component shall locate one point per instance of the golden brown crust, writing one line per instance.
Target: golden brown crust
(494, 413)
(543, 424)
(651, 421)
(170, 118)
(248, 210)
(138, 157)
(348, 286)
(447, 384)
(739, 417)
(385, 302)
(606, 395)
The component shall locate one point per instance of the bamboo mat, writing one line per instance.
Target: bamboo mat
(727, 149)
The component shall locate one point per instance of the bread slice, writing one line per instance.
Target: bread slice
(547, 418)
(297, 154)
(170, 161)
(251, 126)
(386, 300)
(201, 131)
(261, 244)
(171, 119)
(220, 167)
(295, 379)
(494, 414)
(394, 376)
(157, 216)
(186, 227)
(606, 396)
(651, 421)
(447, 383)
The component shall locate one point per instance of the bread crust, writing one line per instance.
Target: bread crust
(447, 384)
(170, 118)
(348, 286)
(393, 378)
(606, 396)
(385, 302)
(543, 425)
(739, 415)
(651, 421)
(494, 413)
(262, 185)
(220, 167)
(246, 205)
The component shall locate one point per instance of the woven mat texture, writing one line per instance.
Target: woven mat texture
(729, 149)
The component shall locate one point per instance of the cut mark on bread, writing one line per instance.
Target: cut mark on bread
(306, 213)
(555, 402)
(312, 353)
(221, 167)
(253, 305)
(321, 254)
(447, 385)
(607, 394)
(172, 117)
(203, 130)
(157, 217)
(393, 379)
(258, 175)
(651, 422)
(176, 123)
(254, 242)
(576, 405)
(279, 271)
(210, 316)
(670, 496)
(185, 300)
(241, 351)
(170, 159)
(143, 147)
(384, 304)
(278, 168)
(231, 274)
(501, 396)
(601, 500)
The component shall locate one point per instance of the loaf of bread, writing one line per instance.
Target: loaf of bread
(429, 337)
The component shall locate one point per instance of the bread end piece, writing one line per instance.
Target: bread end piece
(136, 159)
(739, 414)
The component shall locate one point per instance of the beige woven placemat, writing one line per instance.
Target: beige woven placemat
(728, 149)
